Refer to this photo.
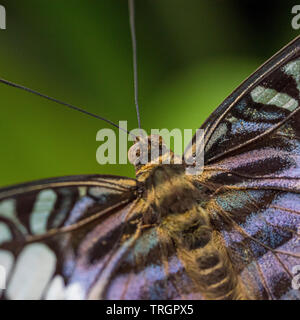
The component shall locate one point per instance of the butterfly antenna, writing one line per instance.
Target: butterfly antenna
(135, 72)
(18, 86)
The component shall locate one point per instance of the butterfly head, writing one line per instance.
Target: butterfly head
(150, 151)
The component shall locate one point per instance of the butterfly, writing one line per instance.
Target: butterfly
(231, 232)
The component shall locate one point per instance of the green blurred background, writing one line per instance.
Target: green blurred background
(191, 55)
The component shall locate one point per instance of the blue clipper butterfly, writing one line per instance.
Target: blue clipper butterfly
(231, 232)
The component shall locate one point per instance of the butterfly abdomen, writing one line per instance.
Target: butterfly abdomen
(205, 258)
(174, 207)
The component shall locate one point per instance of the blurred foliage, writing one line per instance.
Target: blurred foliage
(191, 55)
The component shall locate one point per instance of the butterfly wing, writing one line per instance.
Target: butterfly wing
(261, 104)
(151, 270)
(81, 237)
(43, 225)
(252, 168)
